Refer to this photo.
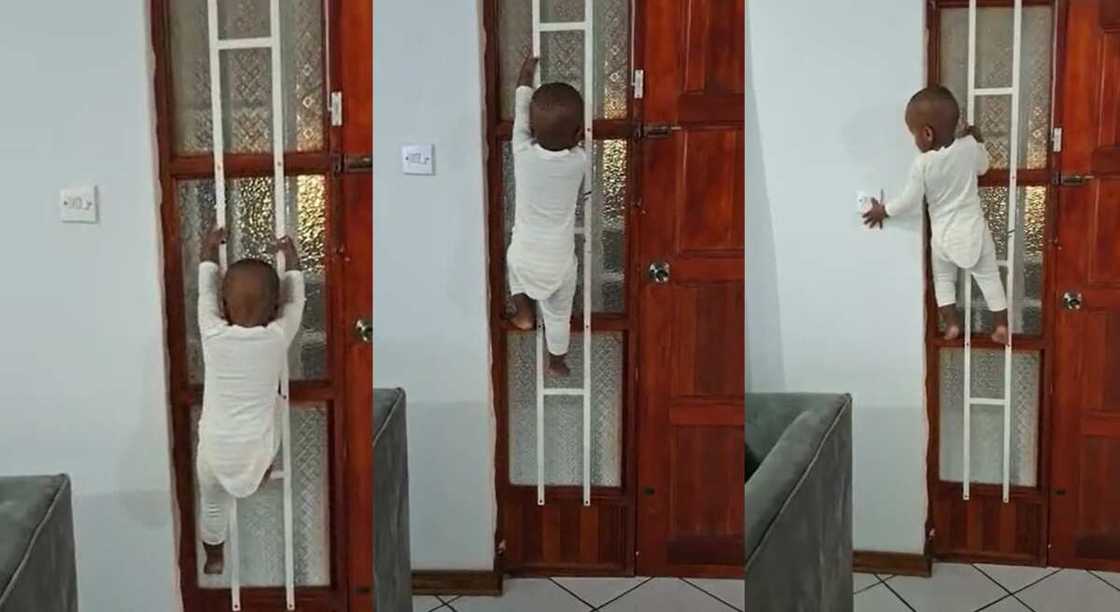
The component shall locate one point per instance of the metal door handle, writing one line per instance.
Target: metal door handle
(363, 329)
(1074, 180)
(659, 272)
(1071, 300)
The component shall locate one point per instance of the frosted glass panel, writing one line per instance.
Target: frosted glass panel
(260, 517)
(987, 421)
(993, 53)
(612, 51)
(564, 415)
(1030, 248)
(247, 76)
(250, 220)
(608, 249)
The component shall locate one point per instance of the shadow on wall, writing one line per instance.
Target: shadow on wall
(766, 370)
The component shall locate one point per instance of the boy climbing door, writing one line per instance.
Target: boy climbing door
(1085, 510)
(317, 89)
(690, 267)
(666, 355)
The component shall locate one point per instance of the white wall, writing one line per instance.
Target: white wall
(832, 306)
(82, 369)
(430, 291)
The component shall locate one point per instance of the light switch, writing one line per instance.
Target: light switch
(863, 202)
(78, 205)
(417, 159)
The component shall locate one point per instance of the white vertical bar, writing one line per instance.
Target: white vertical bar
(280, 208)
(967, 278)
(588, 235)
(218, 145)
(536, 8)
(1012, 238)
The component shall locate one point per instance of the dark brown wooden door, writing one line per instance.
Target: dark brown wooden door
(1085, 511)
(691, 369)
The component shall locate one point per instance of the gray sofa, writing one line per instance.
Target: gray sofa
(392, 575)
(799, 503)
(37, 566)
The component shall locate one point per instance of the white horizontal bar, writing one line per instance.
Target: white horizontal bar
(276, 475)
(564, 26)
(245, 43)
(984, 401)
(563, 391)
(993, 91)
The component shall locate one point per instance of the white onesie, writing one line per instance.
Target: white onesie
(541, 258)
(238, 434)
(960, 237)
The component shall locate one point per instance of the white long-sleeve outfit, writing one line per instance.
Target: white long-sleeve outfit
(960, 237)
(239, 433)
(541, 259)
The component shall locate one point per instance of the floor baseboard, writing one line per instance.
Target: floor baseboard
(457, 583)
(895, 564)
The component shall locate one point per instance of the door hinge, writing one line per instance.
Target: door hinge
(639, 84)
(501, 548)
(336, 108)
(1056, 140)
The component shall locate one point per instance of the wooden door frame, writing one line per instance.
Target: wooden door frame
(941, 492)
(498, 132)
(183, 395)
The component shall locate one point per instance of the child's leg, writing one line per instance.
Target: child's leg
(945, 290)
(524, 310)
(215, 505)
(557, 313)
(986, 273)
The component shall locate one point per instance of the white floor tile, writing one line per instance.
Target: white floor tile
(952, 588)
(1072, 590)
(666, 595)
(425, 603)
(878, 599)
(1008, 604)
(1111, 577)
(538, 594)
(729, 591)
(862, 582)
(1016, 577)
(598, 591)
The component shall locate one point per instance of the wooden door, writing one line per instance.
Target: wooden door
(1085, 499)
(691, 369)
(326, 50)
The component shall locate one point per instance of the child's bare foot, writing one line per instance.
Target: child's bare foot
(557, 365)
(1000, 335)
(952, 320)
(523, 317)
(215, 559)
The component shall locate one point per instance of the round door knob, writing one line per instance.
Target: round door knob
(363, 329)
(659, 272)
(1071, 300)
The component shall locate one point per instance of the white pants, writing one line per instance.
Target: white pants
(555, 310)
(215, 502)
(986, 273)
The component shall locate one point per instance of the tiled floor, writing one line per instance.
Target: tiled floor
(606, 594)
(992, 588)
(952, 588)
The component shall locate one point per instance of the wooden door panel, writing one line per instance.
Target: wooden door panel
(707, 355)
(710, 206)
(566, 537)
(1085, 517)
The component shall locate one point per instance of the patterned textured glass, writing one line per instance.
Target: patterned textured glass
(561, 10)
(611, 37)
(1026, 315)
(994, 28)
(564, 414)
(250, 219)
(608, 249)
(987, 421)
(260, 517)
(247, 76)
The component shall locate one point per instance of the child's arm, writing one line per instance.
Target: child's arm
(983, 161)
(209, 281)
(522, 97)
(291, 291)
(909, 200)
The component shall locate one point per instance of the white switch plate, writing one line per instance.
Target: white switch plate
(417, 159)
(78, 205)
